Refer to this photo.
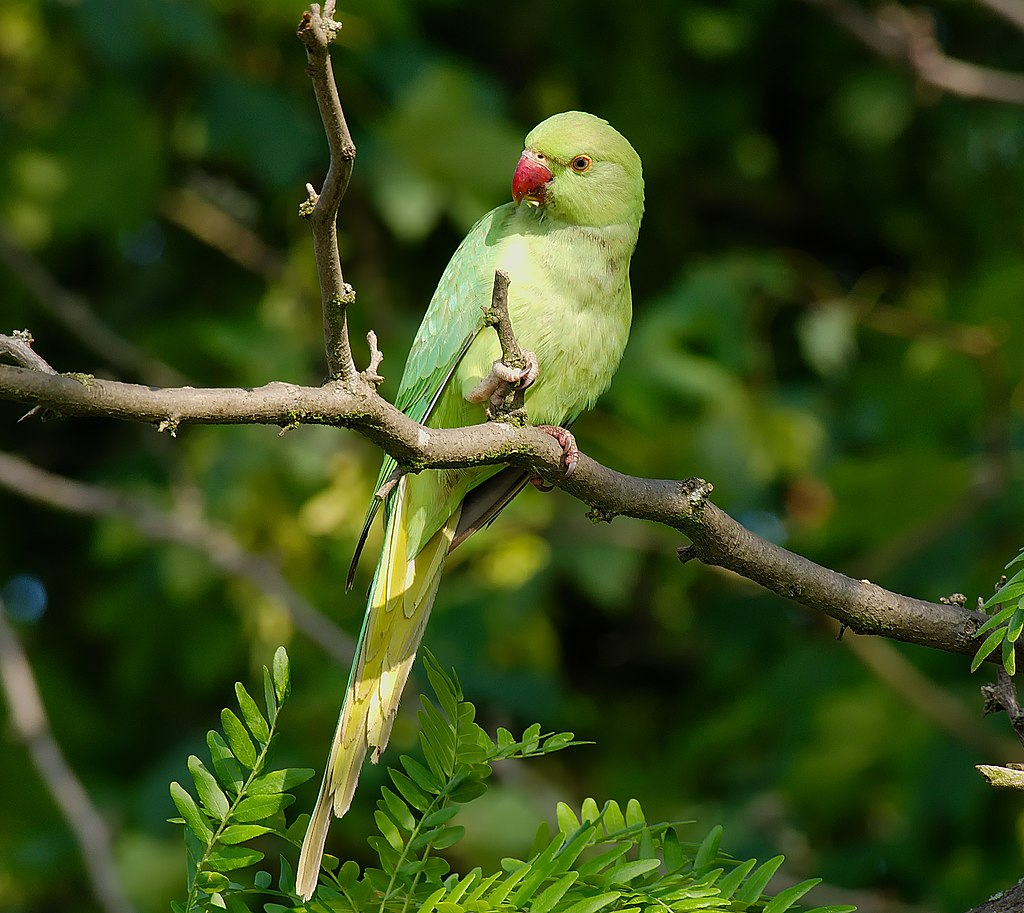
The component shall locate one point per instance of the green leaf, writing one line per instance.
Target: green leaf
(627, 871)
(672, 851)
(568, 823)
(459, 889)
(398, 810)
(348, 874)
(390, 858)
(1009, 657)
(613, 818)
(226, 768)
(409, 790)
(785, 899)
(558, 741)
(430, 904)
(269, 696)
(259, 808)
(238, 739)
(1015, 625)
(993, 621)
(286, 875)
(1009, 593)
(553, 893)
(991, 642)
(646, 849)
(441, 816)
(503, 888)
(754, 886)
(576, 844)
(602, 861)
(210, 794)
(531, 738)
(483, 887)
(239, 833)
(255, 720)
(442, 684)
(227, 858)
(634, 813)
(505, 739)
(707, 852)
(422, 777)
(835, 908)
(444, 837)
(195, 820)
(728, 884)
(389, 829)
(1000, 595)
(593, 904)
(282, 675)
(212, 882)
(589, 811)
(469, 789)
(542, 866)
(279, 781)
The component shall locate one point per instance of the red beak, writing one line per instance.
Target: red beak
(530, 180)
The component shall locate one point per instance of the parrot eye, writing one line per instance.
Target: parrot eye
(581, 164)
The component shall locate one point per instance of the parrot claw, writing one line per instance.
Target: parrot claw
(502, 380)
(570, 452)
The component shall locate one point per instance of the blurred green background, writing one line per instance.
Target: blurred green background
(828, 326)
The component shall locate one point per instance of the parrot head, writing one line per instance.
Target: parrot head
(579, 169)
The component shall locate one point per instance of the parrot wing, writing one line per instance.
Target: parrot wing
(452, 321)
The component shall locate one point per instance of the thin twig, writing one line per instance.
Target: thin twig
(316, 33)
(508, 403)
(18, 348)
(1002, 696)
(28, 717)
(213, 226)
(907, 37)
(928, 697)
(497, 316)
(1010, 10)
(372, 373)
(223, 550)
(72, 311)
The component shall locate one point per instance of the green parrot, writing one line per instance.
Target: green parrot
(565, 242)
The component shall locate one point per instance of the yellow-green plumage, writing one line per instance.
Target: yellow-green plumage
(569, 302)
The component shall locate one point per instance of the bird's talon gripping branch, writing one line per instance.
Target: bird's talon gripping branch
(570, 452)
(502, 380)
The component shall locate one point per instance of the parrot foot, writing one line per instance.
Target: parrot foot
(570, 452)
(502, 380)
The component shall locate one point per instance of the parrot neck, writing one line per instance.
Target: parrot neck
(618, 239)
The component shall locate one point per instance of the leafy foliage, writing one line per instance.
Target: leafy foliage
(602, 858)
(1005, 625)
(241, 800)
(827, 326)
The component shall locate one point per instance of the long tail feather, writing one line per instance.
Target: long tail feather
(400, 600)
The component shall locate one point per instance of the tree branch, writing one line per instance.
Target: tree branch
(317, 32)
(1010, 10)
(31, 725)
(188, 529)
(717, 539)
(907, 37)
